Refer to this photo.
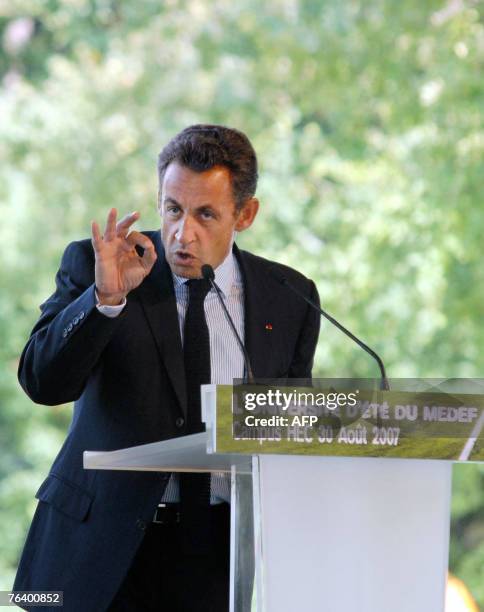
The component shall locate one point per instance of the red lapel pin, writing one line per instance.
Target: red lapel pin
(269, 326)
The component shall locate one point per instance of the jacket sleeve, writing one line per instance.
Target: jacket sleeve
(67, 341)
(302, 362)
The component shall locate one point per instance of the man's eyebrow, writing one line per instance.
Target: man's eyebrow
(171, 201)
(205, 207)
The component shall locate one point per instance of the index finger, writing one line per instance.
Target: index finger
(125, 223)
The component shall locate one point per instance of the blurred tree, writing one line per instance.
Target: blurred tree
(367, 118)
(467, 527)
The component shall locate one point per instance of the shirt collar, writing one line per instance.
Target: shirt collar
(224, 275)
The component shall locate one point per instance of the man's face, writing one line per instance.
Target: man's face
(199, 217)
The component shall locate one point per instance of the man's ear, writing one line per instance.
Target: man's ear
(246, 215)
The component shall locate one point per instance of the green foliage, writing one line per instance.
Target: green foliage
(367, 117)
(467, 528)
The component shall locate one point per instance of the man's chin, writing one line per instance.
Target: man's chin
(185, 271)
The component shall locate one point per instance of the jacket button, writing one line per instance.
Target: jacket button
(141, 524)
(75, 320)
(180, 422)
(64, 333)
(81, 314)
(69, 327)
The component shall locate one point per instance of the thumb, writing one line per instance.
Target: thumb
(149, 257)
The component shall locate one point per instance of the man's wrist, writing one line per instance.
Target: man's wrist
(110, 300)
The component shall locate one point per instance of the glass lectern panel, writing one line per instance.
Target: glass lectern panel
(245, 563)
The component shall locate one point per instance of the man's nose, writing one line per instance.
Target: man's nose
(185, 232)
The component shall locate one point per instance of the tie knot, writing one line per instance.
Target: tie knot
(198, 289)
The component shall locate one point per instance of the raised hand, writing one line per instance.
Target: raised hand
(119, 269)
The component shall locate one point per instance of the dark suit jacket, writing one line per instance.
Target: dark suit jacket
(126, 378)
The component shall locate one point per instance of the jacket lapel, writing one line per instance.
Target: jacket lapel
(157, 298)
(259, 304)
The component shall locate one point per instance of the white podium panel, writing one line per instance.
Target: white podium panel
(347, 535)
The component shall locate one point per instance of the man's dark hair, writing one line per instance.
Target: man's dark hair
(201, 147)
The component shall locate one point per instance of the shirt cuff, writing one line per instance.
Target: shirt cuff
(109, 311)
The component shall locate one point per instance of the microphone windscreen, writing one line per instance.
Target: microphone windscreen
(207, 272)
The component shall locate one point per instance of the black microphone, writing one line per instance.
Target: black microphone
(278, 275)
(209, 275)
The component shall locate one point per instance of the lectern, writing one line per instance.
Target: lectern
(318, 533)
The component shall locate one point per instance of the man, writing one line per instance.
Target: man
(125, 337)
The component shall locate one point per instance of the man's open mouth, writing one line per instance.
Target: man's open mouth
(184, 256)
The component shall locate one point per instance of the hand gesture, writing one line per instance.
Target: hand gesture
(119, 269)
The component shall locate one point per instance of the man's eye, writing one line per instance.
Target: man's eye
(174, 210)
(207, 214)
